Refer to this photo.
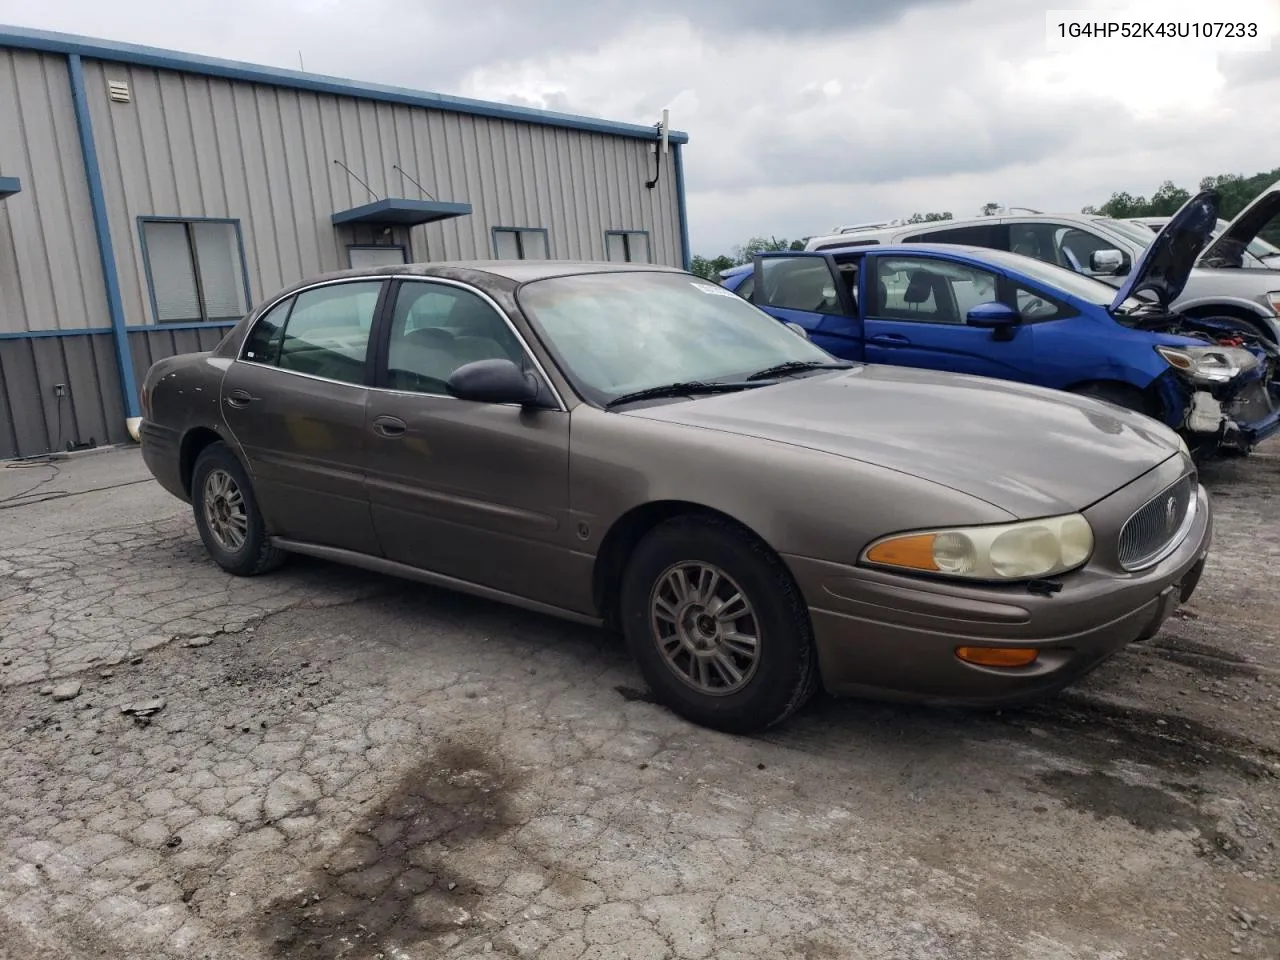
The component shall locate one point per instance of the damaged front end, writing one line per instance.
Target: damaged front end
(1223, 394)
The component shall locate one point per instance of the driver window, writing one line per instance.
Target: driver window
(1076, 248)
(436, 329)
(798, 283)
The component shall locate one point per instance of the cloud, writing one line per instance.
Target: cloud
(801, 115)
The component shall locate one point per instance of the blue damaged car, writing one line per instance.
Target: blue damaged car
(998, 314)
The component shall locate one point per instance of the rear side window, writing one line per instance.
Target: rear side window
(327, 333)
(975, 235)
(263, 343)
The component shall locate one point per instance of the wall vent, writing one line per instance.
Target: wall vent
(118, 90)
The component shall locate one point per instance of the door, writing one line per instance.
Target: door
(916, 317)
(295, 401)
(476, 491)
(1071, 246)
(814, 291)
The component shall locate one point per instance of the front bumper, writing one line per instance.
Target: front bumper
(892, 636)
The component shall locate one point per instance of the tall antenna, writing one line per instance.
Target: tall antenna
(421, 189)
(301, 66)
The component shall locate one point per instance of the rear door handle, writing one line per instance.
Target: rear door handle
(890, 340)
(389, 427)
(240, 398)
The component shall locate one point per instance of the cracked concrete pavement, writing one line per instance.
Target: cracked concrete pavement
(335, 764)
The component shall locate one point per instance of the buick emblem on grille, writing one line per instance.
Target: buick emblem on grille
(1170, 514)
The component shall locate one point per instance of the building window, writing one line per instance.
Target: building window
(195, 269)
(627, 246)
(363, 257)
(521, 243)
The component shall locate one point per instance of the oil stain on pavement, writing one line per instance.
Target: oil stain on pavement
(391, 880)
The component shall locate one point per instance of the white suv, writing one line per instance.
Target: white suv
(1107, 249)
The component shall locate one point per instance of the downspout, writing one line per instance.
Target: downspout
(106, 252)
(681, 212)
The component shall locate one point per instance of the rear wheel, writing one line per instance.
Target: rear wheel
(227, 514)
(717, 626)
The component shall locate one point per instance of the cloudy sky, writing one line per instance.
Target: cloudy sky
(801, 115)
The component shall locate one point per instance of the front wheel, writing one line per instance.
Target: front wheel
(227, 514)
(717, 626)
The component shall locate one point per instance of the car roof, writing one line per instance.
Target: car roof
(488, 275)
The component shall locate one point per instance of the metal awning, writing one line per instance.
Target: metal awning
(11, 185)
(401, 212)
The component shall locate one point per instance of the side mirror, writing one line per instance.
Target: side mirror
(1000, 318)
(493, 381)
(796, 329)
(1106, 261)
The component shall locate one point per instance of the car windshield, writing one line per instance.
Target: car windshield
(619, 333)
(1059, 278)
(1137, 232)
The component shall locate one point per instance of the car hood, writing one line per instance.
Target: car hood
(1030, 451)
(1228, 249)
(1166, 264)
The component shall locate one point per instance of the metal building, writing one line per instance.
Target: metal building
(149, 198)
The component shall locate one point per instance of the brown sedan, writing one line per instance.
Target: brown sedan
(637, 447)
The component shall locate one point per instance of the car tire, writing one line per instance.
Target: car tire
(776, 675)
(227, 514)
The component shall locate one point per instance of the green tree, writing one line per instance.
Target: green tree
(710, 267)
(990, 209)
(928, 217)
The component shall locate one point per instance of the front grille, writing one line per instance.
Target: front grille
(1159, 526)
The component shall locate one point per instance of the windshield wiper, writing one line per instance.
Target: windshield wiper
(684, 388)
(794, 366)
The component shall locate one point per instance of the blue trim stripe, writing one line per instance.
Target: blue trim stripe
(42, 334)
(106, 253)
(194, 325)
(9, 186)
(681, 210)
(111, 50)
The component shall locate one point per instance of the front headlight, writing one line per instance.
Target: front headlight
(1273, 298)
(1009, 551)
(1209, 364)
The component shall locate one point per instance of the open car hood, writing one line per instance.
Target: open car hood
(1164, 266)
(1228, 250)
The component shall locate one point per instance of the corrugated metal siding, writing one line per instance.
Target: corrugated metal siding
(50, 277)
(204, 147)
(151, 345)
(32, 419)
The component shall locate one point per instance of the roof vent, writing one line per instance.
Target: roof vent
(118, 90)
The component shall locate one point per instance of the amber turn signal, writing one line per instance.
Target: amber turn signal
(998, 656)
(913, 552)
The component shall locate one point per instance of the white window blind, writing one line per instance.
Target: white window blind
(362, 258)
(196, 269)
(515, 244)
(172, 271)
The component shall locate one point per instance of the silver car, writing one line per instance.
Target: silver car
(1107, 249)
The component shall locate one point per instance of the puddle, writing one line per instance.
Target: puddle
(393, 881)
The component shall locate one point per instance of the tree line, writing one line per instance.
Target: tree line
(1236, 192)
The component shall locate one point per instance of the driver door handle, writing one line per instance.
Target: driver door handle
(390, 427)
(239, 398)
(890, 340)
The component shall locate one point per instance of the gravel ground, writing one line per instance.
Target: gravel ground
(326, 763)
